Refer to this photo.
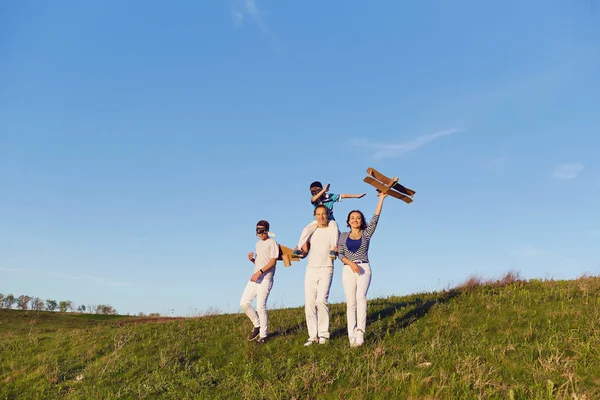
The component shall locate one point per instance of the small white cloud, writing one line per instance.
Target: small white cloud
(250, 6)
(567, 170)
(238, 18)
(248, 10)
(529, 251)
(386, 150)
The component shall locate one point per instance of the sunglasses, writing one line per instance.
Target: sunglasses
(314, 191)
(260, 231)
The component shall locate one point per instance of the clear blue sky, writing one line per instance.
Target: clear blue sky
(141, 141)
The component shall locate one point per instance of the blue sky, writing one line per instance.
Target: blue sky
(140, 142)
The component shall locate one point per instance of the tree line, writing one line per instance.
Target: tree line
(25, 302)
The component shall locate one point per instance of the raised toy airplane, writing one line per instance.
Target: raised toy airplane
(388, 185)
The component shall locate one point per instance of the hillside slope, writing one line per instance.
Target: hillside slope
(511, 339)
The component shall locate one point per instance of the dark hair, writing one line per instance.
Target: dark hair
(316, 184)
(263, 223)
(363, 224)
(321, 206)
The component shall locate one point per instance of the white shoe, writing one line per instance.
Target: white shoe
(310, 342)
(359, 337)
(323, 340)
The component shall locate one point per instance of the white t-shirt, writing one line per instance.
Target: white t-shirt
(265, 250)
(321, 245)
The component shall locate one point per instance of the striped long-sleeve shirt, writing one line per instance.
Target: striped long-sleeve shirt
(362, 254)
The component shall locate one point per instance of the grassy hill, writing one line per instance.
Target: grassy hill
(508, 339)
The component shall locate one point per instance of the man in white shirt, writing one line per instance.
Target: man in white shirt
(319, 273)
(261, 281)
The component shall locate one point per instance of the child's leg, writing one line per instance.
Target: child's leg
(334, 240)
(306, 232)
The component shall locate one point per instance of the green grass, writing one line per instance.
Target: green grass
(14, 322)
(518, 340)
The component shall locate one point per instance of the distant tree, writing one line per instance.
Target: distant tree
(154, 315)
(23, 301)
(81, 308)
(141, 314)
(9, 300)
(105, 309)
(51, 305)
(37, 304)
(1, 300)
(65, 305)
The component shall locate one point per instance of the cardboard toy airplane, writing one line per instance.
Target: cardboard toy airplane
(388, 185)
(285, 255)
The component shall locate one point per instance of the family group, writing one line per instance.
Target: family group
(322, 242)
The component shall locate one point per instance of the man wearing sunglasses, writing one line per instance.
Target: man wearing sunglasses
(260, 283)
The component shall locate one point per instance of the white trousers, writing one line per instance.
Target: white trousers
(261, 292)
(309, 229)
(317, 283)
(355, 288)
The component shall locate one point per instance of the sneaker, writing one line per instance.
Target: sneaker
(261, 340)
(352, 341)
(359, 337)
(310, 342)
(297, 254)
(254, 334)
(323, 340)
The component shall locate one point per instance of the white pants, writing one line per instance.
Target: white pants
(355, 288)
(261, 292)
(317, 283)
(310, 229)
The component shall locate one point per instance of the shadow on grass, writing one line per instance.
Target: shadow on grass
(418, 308)
(288, 331)
(421, 308)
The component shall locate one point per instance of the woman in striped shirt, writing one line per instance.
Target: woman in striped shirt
(353, 249)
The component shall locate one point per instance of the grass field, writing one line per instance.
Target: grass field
(508, 339)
